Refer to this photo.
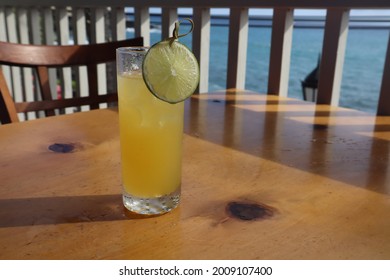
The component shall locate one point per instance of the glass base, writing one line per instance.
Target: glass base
(151, 206)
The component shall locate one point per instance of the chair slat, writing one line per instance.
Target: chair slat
(43, 79)
(8, 111)
(60, 56)
(93, 83)
(48, 105)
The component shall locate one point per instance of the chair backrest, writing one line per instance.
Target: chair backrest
(41, 58)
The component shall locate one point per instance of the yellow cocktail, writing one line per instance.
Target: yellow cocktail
(151, 133)
(151, 143)
(152, 85)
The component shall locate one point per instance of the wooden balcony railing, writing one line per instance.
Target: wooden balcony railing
(50, 22)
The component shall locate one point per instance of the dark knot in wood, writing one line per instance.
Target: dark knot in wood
(249, 211)
(62, 148)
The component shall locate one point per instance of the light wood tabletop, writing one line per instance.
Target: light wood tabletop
(264, 177)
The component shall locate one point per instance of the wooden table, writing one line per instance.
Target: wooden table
(263, 178)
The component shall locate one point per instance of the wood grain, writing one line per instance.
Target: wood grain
(316, 179)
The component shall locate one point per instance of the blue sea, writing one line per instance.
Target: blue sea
(362, 72)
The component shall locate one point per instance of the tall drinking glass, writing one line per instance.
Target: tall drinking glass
(150, 138)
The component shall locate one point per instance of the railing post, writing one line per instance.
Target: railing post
(63, 39)
(35, 21)
(49, 39)
(15, 74)
(333, 52)
(142, 23)
(168, 18)
(281, 41)
(201, 45)
(48, 31)
(4, 37)
(118, 23)
(79, 25)
(238, 42)
(12, 32)
(3, 29)
(27, 87)
(384, 97)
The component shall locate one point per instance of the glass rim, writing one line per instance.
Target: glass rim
(136, 49)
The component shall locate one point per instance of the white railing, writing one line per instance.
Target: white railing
(49, 22)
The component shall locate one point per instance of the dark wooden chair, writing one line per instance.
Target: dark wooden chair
(42, 57)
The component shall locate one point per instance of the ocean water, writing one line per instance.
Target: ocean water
(362, 71)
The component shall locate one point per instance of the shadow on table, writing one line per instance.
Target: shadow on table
(60, 210)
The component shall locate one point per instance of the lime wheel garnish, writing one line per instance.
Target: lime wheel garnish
(170, 70)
